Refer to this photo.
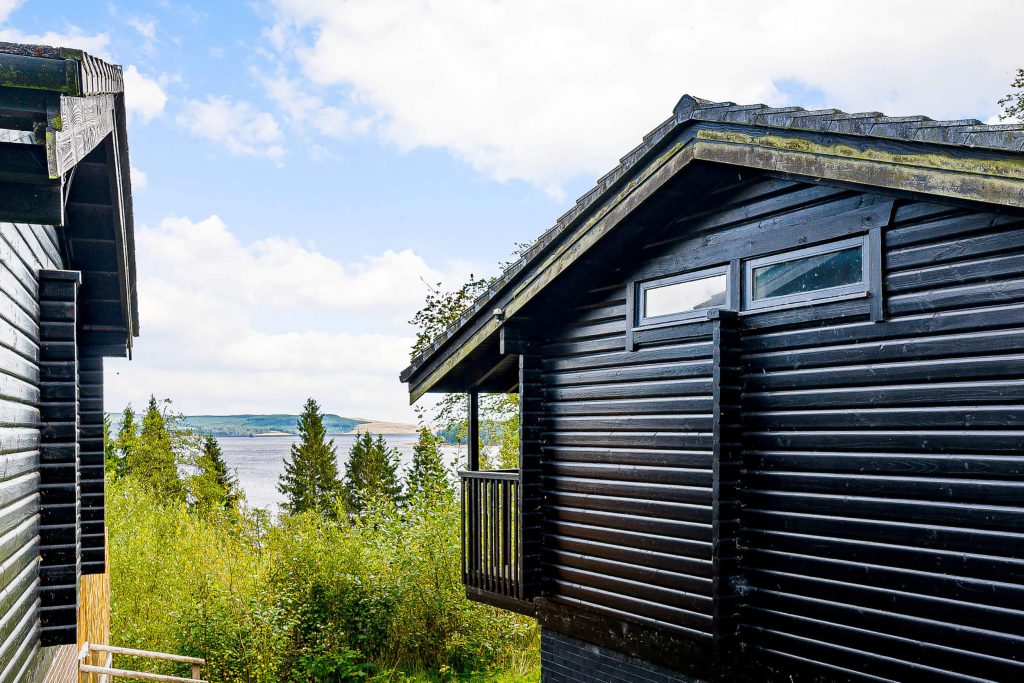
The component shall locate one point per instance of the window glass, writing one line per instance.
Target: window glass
(680, 297)
(827, 270)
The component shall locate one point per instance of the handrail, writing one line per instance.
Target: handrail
(107, 671)
(125, 673)
(504, 475)
(145, 653)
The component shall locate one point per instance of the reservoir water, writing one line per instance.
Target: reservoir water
(258, 461)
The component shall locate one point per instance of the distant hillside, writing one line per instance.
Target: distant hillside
(245, 425)
(270, 425)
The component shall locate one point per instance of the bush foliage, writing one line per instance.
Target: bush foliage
(309, 597)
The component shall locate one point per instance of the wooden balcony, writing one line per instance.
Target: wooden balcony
(492, 566)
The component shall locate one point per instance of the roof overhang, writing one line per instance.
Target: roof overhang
(64, 162)
(841, 154)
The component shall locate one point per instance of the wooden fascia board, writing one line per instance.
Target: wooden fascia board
(972, 178)
(978, 178)
(655, 174)
(116, 182)
(40, 73)
(127, 211)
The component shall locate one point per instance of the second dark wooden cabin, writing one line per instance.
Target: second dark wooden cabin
(771, 385)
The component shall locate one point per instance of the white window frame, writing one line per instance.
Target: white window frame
(643, 320)
(817, 295)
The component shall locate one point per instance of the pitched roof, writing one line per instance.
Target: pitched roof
(959, 133)
(72, 104)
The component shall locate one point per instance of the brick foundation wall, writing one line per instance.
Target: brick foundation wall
(569, 660)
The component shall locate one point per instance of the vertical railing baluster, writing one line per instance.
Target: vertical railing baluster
(492, 532)
(462, 531)
(476, 533)
(518, 542)
(485, 537)
(500, 490)
(506, 565)
(493, 485)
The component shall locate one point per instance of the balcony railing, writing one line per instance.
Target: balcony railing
(492, 566)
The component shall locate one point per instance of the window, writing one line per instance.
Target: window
(821, 272)
(682, 296)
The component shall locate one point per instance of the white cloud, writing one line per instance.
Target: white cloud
(236, 125)
(8, 6)
(139, 178)
(144, 98)
(306, 109)
(145, 27)
(209, 301)
(94, 43)
(544, 91)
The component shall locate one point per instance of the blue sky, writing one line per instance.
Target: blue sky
(304, 166)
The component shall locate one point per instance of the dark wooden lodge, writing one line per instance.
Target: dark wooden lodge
(67, 300)
(771, 381)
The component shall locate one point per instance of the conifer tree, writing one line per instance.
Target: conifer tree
(427, 475)
(127, 441)
(113, 463)
(371, 472)
(310, 479)
(153, 459)
(214, 486)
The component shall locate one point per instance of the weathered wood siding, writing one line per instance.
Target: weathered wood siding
(59, 533)
(24, 251)
(628, 464)
(884, 466)
(91, 462)
(878, 473)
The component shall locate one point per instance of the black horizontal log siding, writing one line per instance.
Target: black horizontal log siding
(24, 251)
(628, 470)
(875, 465)
(90, 456)
(882, 531)
(530, 535)
(59, 550)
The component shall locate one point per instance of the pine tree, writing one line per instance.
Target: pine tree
(127, 441)
(214, 486)
(371, 472)
(1013, 104)
(427, 475)
(310, 480)
(153, 459)
(113, 463)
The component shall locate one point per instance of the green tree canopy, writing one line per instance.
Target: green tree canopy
(498, 412)
(152, 456)
(214, 486)
(127, 442)
(371, 472)
(427, 475)
(1013, 103)
(310, 479)
(113, 463)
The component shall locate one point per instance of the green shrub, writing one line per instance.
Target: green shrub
(306, 598)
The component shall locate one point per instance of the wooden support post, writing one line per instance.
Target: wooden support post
(727, 465)
(473, 431)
